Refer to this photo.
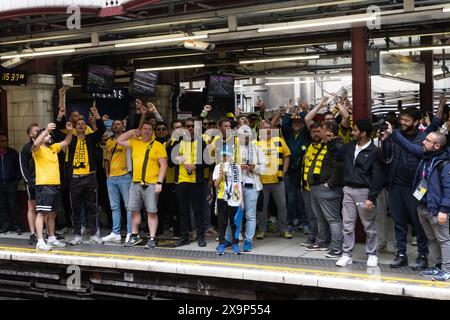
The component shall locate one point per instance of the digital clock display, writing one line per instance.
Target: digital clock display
(12, 77)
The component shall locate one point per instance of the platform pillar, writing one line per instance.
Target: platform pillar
(360, 75)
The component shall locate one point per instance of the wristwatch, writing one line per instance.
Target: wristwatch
(159, 182)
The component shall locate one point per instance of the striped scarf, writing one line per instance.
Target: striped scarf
(312, 153)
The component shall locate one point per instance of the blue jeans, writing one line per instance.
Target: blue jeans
(250, 201)
(119, 187)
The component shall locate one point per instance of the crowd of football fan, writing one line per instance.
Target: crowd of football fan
(307, 168)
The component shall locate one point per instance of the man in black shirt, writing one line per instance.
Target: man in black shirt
(29, 176)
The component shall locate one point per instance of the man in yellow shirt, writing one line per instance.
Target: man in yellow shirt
(82, 166)
(118, 181)
(277, 154)
(48, 183)
(149, 170)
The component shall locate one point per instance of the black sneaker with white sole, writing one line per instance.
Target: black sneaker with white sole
(334, 253)
(316, 247)
(134, 240)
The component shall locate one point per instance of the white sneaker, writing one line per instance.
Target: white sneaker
(372, 261)
(127, 238)
(96, 239)
(41, 245)
(53, 242)
(343, 261)
(76, 240)
(112, 237)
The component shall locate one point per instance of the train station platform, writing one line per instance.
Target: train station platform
(276, 269)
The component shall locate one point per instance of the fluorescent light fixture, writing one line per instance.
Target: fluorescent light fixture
(320, 22)
(400, 50)
(288, 82)
(279, 59)
(446, 8)
(37, 54)
(307, 6)
(188, 66)
(162, 40)
(66, 75)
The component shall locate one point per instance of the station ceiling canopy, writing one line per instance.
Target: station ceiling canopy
(232, 35)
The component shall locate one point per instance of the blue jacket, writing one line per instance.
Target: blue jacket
(296, 143)
(9, 167)
(403, 166)
(437, 198)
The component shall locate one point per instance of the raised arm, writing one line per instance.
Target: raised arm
(345, 122)
(310, 116)
(404, 143)
(152, 109)
(206, 109)
(124, 137)
(38, 141)
(68, 139)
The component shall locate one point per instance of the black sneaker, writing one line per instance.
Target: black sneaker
(33, 239)
(421, 263)
(400, 260)
(334, 253)
(19, 230)
(307, 243)
(182, 242)
(201, 242)
(150, 244)
(133, 241)
(316, 247)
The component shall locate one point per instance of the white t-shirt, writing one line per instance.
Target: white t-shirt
(230, 188)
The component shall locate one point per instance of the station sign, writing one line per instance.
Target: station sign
(399, 67)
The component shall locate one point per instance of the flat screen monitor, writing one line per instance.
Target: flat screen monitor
(144, 83)
(100, 79)
(221, 86)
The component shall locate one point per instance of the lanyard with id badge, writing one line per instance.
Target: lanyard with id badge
(423, 185)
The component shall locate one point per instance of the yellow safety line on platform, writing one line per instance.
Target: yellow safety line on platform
(230, 264)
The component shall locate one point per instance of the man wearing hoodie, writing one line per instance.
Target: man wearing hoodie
(432, 191)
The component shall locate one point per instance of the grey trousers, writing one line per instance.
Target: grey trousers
(326, 206)
(385, 225)
(350, 213)
(438, 237)
(312, 221)
(278, 192)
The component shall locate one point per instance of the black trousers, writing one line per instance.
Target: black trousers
(226, 215)
(191, 194)
(84, 191)
(168, 209)
(9, 210)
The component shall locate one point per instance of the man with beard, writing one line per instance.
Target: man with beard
(29, 176)
(363, 181)
(82, 166)
(48, 183)
(432, 191)
(401, 172)
(118, 180)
